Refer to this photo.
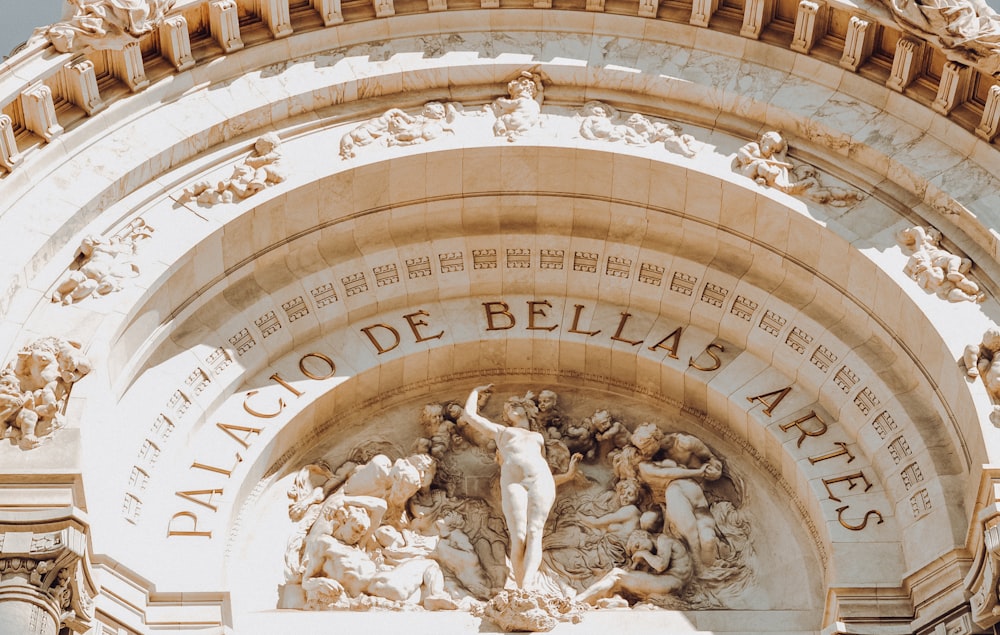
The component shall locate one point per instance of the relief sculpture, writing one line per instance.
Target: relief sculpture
(395, 127)
(34, 389)
(101, 264)
(936, 269)
(106, 24)
(983, 361)
(262, 168)
(520, 112)
(766, 162)
(479, 518)
(602, 122)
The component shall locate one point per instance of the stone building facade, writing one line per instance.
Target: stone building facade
(740, 256)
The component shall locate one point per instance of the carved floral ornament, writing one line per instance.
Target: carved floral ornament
(580, 514)
(34, 388)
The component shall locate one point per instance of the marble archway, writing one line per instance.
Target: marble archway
(418, 268)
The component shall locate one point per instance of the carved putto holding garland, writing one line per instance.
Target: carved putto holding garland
(527, 517)
(766, 162)
(34, 389)
(520, 112)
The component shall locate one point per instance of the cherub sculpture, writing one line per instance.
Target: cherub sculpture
(765, 162)
(983, 361)
(521, 110)
(669, 133)
(936, 269)
(101, 264)
(34, 388)
(262, 168)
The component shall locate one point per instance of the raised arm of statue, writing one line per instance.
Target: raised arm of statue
(477, 421)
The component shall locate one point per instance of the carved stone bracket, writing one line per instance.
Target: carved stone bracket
(984, 543)
(45, 565)
(602, 122)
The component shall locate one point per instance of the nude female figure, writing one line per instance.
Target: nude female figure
(527, 486)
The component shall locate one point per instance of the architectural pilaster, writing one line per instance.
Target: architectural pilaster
(45, 579)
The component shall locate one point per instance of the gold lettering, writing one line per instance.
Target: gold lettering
(262, 415)
(717, 361)
(771, 404)
(192, 495)
(621, 327)
(415, 323)
(864, 521)
(806, 433)
(533, 310)
(283, 382)
(672, 349)
(194, 526)
(813, 460)
(219, 470)
(374, 340)
(576, 322)
(228, 429)
(311, 375)
(498, 308)
(846, 479)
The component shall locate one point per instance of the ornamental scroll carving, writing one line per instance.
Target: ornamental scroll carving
(936, 269)
(523, 515)
(766, 162)
(34, 389)
(520, 112)
(106, 24)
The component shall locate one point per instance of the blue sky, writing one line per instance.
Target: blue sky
(20, 17)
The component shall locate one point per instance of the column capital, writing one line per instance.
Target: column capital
(45, 562)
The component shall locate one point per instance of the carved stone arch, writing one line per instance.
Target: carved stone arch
(849, 393)
(228, 297)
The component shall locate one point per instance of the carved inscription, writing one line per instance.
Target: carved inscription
(837, 453)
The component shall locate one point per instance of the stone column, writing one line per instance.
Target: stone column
(45, 578)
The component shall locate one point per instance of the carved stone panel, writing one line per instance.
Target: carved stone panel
(535, 505)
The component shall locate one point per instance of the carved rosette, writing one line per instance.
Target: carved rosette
(46, 583)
